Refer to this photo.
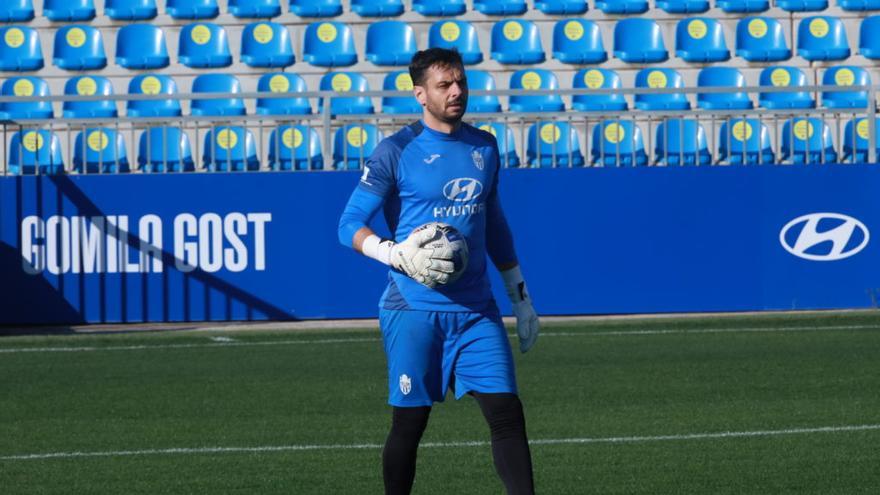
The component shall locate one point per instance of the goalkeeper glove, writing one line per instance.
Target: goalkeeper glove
(428, 266)
(527, 326)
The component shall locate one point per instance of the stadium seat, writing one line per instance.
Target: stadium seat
(141, 46)
(460, 35)
(683, 6)
(329, 44)
(745, 142)
(822, 38)
(153, 84)
(859, 5)
(700, 39)
(377, 8)
(439, 8)
(100, 150)
(722, 77)
(807, 140)
(598, 79)
(20, 49)
(742, 6)
(869, 37)
(576, 41)
(192, 9)
(534, 79)
(845, 75)
(501, 7)
(88, 86)
(481, 80)
(16, 10)
(230, 149)
(639, 41)
(266, 44)
(26, 86)
(69, 10)
(622, 6)
(130, 10)
(802, 5)
(783, 76)
(681, 142)
(660, 78)
(353, 144)
(282, 82)
(506, 142)
(316, 8)
(217, 83)
(35, 152)
(516, 42)
(855, 140)
(79, 47)
(203, 45)
(761, 39)
(399, 80)
(295, 147)
(618, 143)
(163, 149)
(390, 43)
(561, 7)
(261, 9)
(553, 144)
(341, 82)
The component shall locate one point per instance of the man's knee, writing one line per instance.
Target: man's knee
(503, 413)
(409, 421)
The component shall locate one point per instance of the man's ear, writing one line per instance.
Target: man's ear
(420, 94)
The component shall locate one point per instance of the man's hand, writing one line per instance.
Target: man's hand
(527, 325)
(428, 266)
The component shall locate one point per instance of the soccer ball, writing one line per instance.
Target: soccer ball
(448, 236)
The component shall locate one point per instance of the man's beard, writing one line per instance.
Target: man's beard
(443, 116)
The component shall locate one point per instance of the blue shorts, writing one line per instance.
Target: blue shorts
(429, 352)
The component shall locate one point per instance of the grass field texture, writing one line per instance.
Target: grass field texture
(748, 404)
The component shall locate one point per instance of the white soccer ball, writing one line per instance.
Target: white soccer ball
(449, 236)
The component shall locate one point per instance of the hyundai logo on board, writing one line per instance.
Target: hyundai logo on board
(824, 236)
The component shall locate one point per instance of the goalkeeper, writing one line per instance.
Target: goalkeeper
(439, 336)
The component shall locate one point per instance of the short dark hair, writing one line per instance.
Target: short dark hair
(425, 59)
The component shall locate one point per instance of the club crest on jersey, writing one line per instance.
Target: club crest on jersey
(405, 384)
(478, 159)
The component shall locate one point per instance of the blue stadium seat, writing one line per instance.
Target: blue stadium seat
(506, 142)
(460, 35)
(217, 83)
(598, 79)
(26, 86)
(130, 10)
(869, 37)
(784, 76)
(576, 41)
(683, 6)
(660, 78)
(141, 46)
(845, 75)
(377, 8)
(722, 77)
(390, 43)
(761, 39)
(535, 79)
(618, 143)
(353, 144)
(481, 80)
(516, 42)
(163, 149)
(700, 39)
(69, 10)
(622, 6)
(855, 140)
(192, 9)
(399, 80)
(742, 6)
(295, 147)
(16, 10)
(859, 5)
(329, 44)
(802, 5)
(282, 82)
(266, 44)
(681, 142)
(153, 84)
(79, 47)
(822, 38)
(344, 82)
(261, 9)
(745, 142)
(88, 86)
(439, 8)
(500, 7)
(549, 144)
(561, 7)
(203, 45)
(35, 152)
(316, 8)
(20, 49)
(230, 149)
(100, 150)
(807, 140)
(639, 41)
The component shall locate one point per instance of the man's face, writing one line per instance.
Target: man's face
(444, 93)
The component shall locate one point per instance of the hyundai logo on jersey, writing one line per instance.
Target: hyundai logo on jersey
(463, 189)
(824, 236)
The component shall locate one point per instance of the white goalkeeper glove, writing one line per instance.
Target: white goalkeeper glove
(428, 266)
(527, 326)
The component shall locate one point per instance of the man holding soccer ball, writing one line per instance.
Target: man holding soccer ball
(437, 181)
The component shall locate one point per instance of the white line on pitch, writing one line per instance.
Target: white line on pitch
(476, 443)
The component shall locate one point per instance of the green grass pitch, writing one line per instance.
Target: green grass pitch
(708, 405)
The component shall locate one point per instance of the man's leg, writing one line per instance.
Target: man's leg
(510, 446)
(399, 456)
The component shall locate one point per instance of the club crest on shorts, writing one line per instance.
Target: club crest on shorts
(478, 159)
(405, 384)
